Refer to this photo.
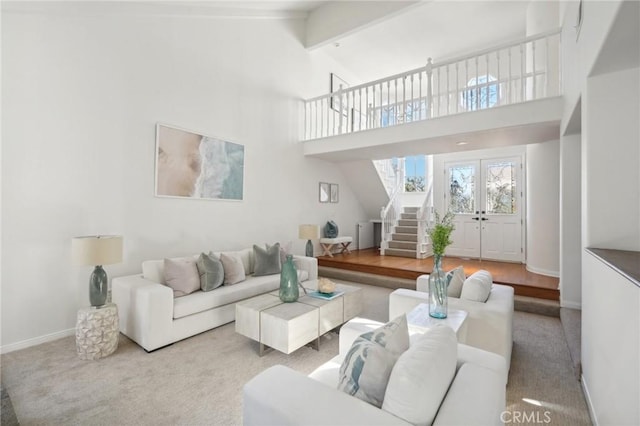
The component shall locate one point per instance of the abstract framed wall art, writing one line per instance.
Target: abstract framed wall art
(191, 165)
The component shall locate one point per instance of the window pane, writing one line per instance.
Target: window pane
(414, 169)
(501, 188)
(462, 189)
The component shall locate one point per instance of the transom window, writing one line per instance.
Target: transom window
(481, 93)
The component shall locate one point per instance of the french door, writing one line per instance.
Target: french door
(486, 197)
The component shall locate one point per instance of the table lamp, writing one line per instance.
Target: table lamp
(97, 250)
(308, 232)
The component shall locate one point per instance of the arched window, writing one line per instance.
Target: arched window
(481, 93)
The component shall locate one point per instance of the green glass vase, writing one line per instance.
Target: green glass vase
(289, 281)
(437, 289)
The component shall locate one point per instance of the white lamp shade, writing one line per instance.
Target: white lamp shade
(308, 232)
(96, 250)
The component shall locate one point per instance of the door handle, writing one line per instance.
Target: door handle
(475, 218)
(484, 218)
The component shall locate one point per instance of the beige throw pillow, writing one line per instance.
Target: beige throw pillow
(181, 275)
(233, 268)
(477, 287)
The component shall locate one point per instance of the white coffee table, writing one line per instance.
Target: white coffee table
(289, 326)
(420, 321)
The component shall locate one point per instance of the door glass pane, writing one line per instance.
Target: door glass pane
(501, 188)
(462, 189)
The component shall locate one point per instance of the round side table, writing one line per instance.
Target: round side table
(97, 331)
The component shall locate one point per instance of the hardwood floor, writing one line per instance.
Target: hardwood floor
(516, 275)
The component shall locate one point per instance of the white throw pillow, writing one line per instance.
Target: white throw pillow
(233, 268)
(365, 371)
(456, 278)
(182, 275)
(477, 287)
(422, 375)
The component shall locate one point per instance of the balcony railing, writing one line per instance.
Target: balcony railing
(516, 72)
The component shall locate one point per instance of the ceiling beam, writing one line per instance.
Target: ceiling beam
(337, 19)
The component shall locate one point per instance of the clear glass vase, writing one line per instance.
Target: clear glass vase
(437, 289)
(289, 291)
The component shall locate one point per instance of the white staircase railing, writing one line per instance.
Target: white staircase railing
(391, 212)
(425, 219)
(520, 71)
(388, 170)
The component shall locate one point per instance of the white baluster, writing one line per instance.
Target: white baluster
(533, 50)
(388, 102)
(486, 87)
(477, 89)
(510, 79)
(420, 96)
(395, 108)
(522, 72)
(429, 70)
(448, 92)
(457, 86)
(499, 86)
(466, 85)
(546, 66)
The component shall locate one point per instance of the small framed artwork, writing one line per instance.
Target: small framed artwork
(334, 192)
(324, 192)
(336, 84)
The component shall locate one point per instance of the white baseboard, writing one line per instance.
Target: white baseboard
(37, 340)
(555, 274)
(587, 397)
(569, 304)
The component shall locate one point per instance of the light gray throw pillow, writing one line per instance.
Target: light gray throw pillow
(233, 268)
(181, 275)
(366, 368)
(455, 279)
(267, 261)
(211, 272)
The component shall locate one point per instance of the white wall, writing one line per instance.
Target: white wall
(612, 172)
(543, 198)
(81, 98)
(570, 222)
(610, 344)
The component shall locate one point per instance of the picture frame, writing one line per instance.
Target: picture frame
(324, 192)
(336, 103)
(334, 193)
(195, 166)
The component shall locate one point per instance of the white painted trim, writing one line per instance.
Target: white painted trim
(37, 340)
(555, 274)
(587, 398)
(569, 304)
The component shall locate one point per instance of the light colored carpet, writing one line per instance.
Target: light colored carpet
(199, 380)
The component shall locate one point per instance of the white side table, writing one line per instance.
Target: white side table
(97, 331)
(419, 321)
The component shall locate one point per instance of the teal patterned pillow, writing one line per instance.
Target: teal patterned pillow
(455, 279)
(211, 272)
(366, 368)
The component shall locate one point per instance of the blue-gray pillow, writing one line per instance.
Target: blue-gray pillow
(267, 261)
(366, 368)
(211, 272)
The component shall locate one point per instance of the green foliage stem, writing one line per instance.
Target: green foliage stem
(440, 233)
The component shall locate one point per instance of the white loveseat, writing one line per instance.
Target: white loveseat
(282, 396)
(151, 316)
(489, 324)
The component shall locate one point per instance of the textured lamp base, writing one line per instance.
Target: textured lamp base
(97, 332)
(309, 249)
(98, 287)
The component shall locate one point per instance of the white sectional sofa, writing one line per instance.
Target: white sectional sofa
(489, 324)
(151, 316)
(282, 396)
